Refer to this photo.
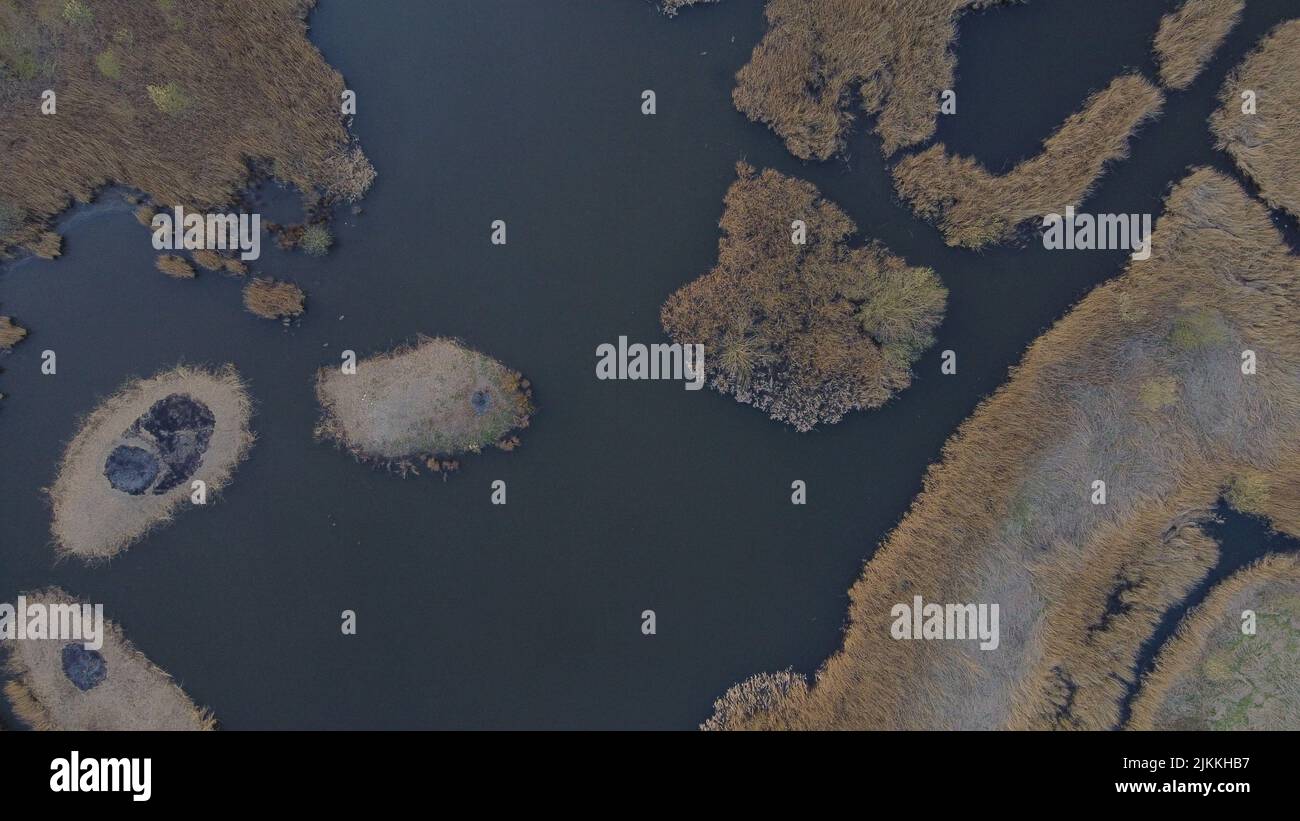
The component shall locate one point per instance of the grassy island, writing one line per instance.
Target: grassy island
(1213, 675)
(1189, 36)
(180, 99)
(819, 55)
(804, 331)
(60, 685)
(132, 463)
(273, 300)
(417, 405)
(1141, 386)
(1265, 142)
(974, 208)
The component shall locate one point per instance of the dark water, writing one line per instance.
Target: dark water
(624, 496)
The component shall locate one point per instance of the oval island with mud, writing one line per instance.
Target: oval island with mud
(67, 685)
(421, 404)
(136, 456)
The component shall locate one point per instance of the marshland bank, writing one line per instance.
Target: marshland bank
(624, 495)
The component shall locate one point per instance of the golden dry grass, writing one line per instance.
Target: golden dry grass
(272, 300)
(804, 332)
(819, 55)
(201, 89)
(10, 334)
(1006, 516)
(208, 260)
(974, 208)
(413, 404)
(1188, 38)
(1266, 144)
(174, 266)
(1212, 676)
(94, 521)
(136, 695)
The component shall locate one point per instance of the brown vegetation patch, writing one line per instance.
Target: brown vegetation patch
(272, 300)
(1006, 517)
(208, 260)
(1213, 676)
(974, 208)
(145, 96)
(134, 695)
(419, 403)
(174, 266)
(10, 334)
(1188, 38)
(819, 55)
(93, 520)
(1266, 144)
(805, 332)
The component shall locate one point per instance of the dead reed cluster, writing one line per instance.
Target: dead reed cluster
(974, 207)
(818, 56)
(1008, 516)
(1188, 38)
(178, 100)
(10, 334)
(417, 405)
(174, 266)
(270, 299)
(805, 332)
(1262, 130)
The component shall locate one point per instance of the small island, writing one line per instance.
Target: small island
(62, 685)
(133, 462)
(422, 404)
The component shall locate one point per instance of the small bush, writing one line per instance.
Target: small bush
(169, 99)
(316, 240)
(1197, 329)
(1248, 493)
(108, 64)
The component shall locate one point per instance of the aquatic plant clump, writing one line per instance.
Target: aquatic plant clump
(1189, 36)
(975, 208)
(420, 403)
(270, 299)
(672, 7)
(1258, 121)
(819, 55)
(133, 461)
(144, 95)
(1232, 664)
(61, 685)
(1012, 514)
(793, 320)
(10, 334)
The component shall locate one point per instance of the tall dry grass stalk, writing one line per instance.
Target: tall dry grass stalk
(804, 332)
(1265, 143)
(818, 56)
(974, 208)
(1006, 517)
(410, 407)
(135, 695)
(94, 521)
(1211, 675)
(200, 89)
(1188, 38)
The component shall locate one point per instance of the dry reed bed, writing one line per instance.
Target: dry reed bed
(410, 407)
(1266, 144)
(92, 519)
(273, 300)
(804, 332)
(1006, 516)
(1188, 38)
(10, 334)
(818, 56)
(1211, 675)
(974, 207)
(135, 694)
(173, 99)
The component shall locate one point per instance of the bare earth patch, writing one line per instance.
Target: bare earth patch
(128, 692)
(433, 399)
(1266, 144)
(974, 208)
(1007, 516)
(131, 464)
